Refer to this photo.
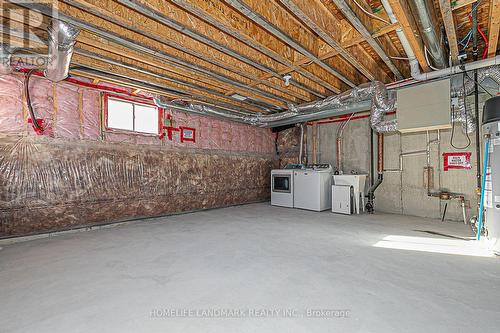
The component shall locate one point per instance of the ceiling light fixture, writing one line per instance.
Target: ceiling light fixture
(239, 97)
(287, 78)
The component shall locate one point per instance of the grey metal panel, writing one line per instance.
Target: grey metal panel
(424, 107)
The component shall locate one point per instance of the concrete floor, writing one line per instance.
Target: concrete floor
(255, 258)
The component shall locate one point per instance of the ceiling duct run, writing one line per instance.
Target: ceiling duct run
(371, 96)
(462, 114)
(364, 97)
(62, 38)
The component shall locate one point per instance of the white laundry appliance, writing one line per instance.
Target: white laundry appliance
(358, 185)
(312, 187)
(342, 199)
(282, 187)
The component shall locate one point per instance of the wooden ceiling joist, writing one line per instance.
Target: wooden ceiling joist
(274, 30)
(215, 61)
(209, 50)
(354, 19)
(91, 56)
(449, 25)
(321, 21)
(493, 27)
(112, 36)
(254, 36)
(182, 28)
(85, 40)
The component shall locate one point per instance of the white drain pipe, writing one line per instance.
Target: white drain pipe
(399, 32)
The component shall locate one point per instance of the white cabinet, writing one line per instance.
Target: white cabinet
(342, 199)
(358, 185)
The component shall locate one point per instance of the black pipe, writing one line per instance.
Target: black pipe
(380, 169)
(444, 213)
(34, 120)
(370, 206)
(474, 31)
(476, 95)
(372, 163)
(478, 146)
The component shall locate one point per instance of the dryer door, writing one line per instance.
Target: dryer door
(282, 183)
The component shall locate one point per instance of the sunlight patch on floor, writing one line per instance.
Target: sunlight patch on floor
(434, 245)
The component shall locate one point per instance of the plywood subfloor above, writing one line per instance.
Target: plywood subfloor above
(214, 49)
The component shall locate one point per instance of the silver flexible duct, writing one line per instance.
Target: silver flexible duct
(462, 114)
(368, 96)
(361, 98)
(492, 72)
(5, 56)
(62, 38)
(374, 91)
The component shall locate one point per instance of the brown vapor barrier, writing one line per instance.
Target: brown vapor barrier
(78, 174)
(48, 185)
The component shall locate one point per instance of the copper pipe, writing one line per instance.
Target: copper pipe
(339, 154)
(380, 150)
(314, 142)
(305, 146)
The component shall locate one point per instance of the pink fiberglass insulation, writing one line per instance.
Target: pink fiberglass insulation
(67, 113)
(90, 105)
(11, 104)
(73, 112)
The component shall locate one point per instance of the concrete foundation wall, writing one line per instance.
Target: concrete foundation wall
(404, 192)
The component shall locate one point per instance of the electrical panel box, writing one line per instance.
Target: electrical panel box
(424, 107)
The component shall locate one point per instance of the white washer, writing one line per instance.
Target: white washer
(282, 187)
(312, 187)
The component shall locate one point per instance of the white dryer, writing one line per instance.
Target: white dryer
(313, 187)
(282, 187)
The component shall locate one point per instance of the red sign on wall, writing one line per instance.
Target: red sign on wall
(457, 161)
(187, 134)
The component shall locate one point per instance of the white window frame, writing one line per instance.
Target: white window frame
(134, 104)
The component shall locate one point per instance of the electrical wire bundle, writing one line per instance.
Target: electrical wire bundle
(464, 42)
(36, 126)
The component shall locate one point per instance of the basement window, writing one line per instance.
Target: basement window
(124, 114)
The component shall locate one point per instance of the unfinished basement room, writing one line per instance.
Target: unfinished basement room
(249, 166)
